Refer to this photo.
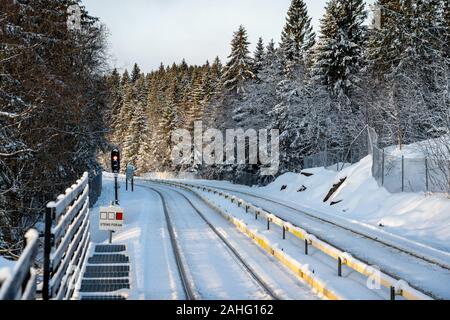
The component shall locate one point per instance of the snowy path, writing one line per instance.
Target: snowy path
(419, 273)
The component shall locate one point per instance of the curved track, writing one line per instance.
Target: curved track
(422, 273)
(189, 292)
(426, 259)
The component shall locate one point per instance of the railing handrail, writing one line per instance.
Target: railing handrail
(21, 282)
(66, 239)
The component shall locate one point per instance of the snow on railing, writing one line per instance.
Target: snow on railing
(396, 287)
(66, 240)
(20, 282)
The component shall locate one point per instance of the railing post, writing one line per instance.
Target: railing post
(392, 293)
(47, 250)
(339, 267)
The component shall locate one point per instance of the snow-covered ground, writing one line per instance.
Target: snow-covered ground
(153, 272)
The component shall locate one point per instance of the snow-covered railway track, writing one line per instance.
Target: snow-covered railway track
(424, 276)
(316, 269)
(188, 286)
(334, 224)
(380, 240)
(188, 291)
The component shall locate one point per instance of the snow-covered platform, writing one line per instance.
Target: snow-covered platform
(106, 275)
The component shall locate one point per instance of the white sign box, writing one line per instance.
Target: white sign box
(111, 218)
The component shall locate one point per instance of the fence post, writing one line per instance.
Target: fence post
(339, 267)
(382, 169)
(268, 224)
(392, 293)
(403, 173)
(306, 247)
(284, 233)
(426, 175)
(47, 250)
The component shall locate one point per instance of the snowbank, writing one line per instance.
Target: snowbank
(423, 218)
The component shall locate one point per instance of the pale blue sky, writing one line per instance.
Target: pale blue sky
(152, 31)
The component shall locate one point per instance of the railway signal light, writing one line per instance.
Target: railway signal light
(115, 160)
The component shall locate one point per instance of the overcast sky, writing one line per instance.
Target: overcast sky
(153, 31)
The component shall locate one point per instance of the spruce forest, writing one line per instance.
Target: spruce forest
(320, 90)
(62, 108)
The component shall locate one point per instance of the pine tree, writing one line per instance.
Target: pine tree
(339, 54)
(216, 76)
(408, 78)
(259, 56)
(52, 108)
(136, 73)
(446, 18)
(115, 100)
(137, 138)
(125, 115)
(298, 36)
(239, 67)
(196, 100)
(125, 78)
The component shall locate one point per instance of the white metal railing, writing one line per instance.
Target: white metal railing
(66, 240)
(20, 282)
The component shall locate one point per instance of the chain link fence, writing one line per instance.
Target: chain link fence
(333, 159)
(398, 173)
(338, 159)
